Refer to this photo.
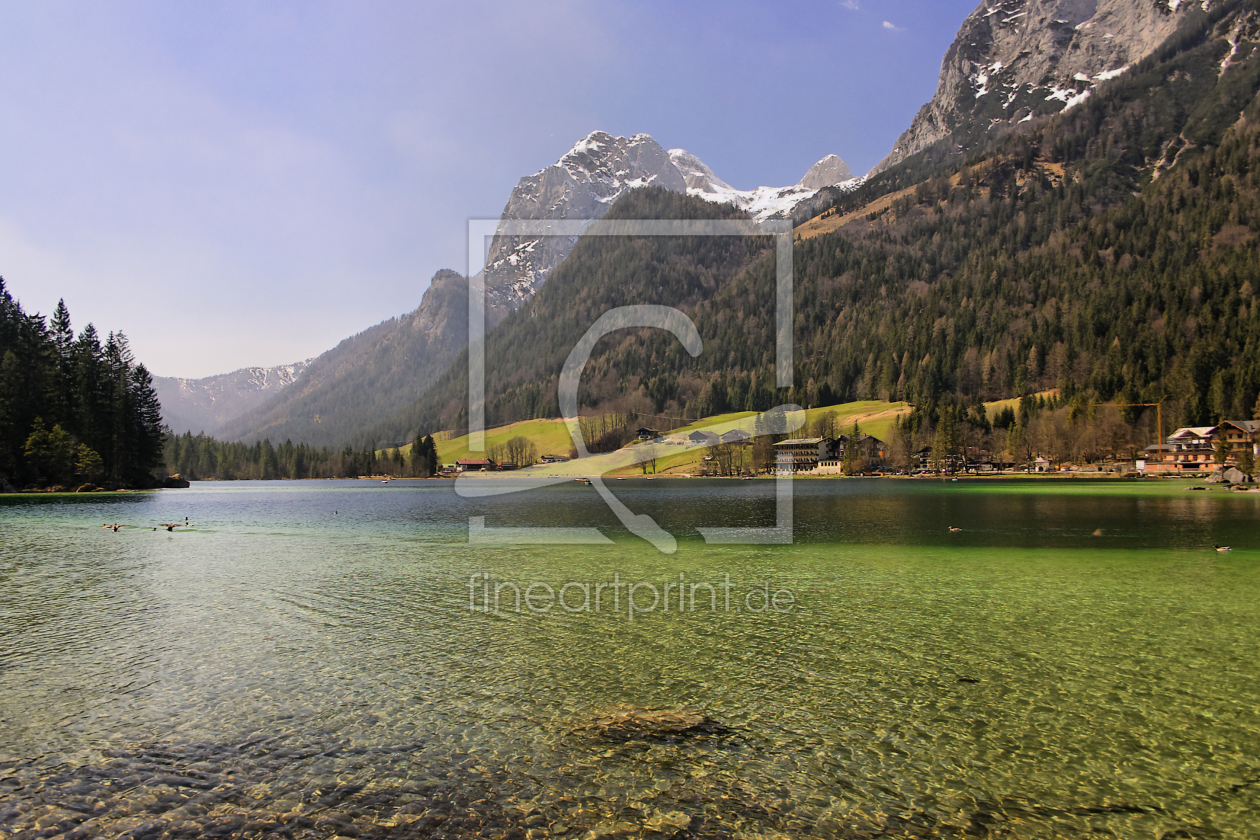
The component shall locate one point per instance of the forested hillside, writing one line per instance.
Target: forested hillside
(1110, 251)
(524, 353)
(72, 409)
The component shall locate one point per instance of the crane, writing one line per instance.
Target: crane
(1159, 417)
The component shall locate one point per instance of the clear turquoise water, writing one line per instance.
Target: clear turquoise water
(316, 659)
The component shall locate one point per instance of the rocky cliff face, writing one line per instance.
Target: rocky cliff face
(828, 172)
(1016, 59)
(582, 185)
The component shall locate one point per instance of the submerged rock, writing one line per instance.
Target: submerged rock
(639, 723)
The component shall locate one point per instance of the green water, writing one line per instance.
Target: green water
(323, 658)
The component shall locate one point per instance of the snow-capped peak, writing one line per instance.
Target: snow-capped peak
(695, 173)
(591, 143)
(598, 170)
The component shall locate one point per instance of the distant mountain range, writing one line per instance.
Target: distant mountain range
(366, 377)
(204, 405)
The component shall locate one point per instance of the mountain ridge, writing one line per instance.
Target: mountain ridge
(1015, 60)
(1189, 91)
(367, 375)
(206, 403)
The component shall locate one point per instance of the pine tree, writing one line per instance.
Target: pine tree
(431, 455)
(70, 409)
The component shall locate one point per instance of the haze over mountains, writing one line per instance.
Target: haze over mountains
(1014, 64)
(205, 404)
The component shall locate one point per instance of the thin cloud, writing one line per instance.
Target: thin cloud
(851, 5)
(893, 27)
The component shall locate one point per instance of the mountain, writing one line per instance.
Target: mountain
(1109, 251)
(597, 171)
(1103, 248)
(582, 185)
(368, 376)
(525, 351)
(1014, 60)
(829, 171)
(203, 405)
(823, 184)
(375, 373)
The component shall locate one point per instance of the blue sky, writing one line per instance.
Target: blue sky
(239, 183)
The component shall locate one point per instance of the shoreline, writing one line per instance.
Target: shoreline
(1103, 477)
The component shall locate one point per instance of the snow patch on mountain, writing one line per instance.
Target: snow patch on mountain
(1015, 60)
(205, 404)
(270, 379)
(590, 177)
(763, 203)
(582, 185)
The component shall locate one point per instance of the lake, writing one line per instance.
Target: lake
(332, 658)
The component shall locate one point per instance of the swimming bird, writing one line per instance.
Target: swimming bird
(170, 526)
(1222, 548)
(952, 528)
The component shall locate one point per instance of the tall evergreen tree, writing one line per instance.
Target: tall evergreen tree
(70, 409)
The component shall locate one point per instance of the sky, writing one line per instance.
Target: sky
(236, 184)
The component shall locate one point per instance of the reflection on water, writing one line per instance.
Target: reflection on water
(304, 662)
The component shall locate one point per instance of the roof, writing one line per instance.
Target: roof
(1193, 431)
(801, 442)
(1251, 426)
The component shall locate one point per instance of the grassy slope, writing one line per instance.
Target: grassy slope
(1013, 403)
(551, 437)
